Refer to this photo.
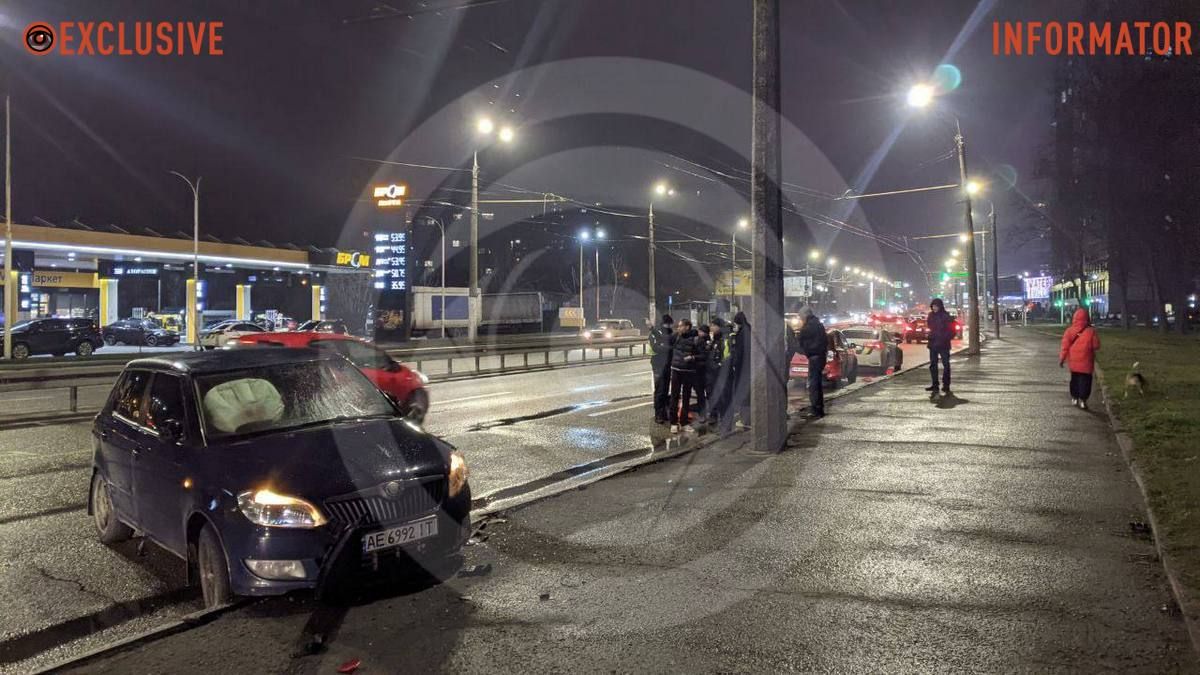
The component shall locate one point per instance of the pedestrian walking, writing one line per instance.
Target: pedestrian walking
(814, 343)
(684, 351)
(941, 333)
(739, 367)
(716, 377)
(661, 338)
(1079, 346)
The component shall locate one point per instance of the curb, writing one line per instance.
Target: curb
(179, 625)
(1186, 608)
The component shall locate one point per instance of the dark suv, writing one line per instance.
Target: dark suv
(269, 470)
(55, 336)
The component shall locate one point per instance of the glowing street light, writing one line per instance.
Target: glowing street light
(485, 126)
(814, 254)
(954, 253)
(832, 262)
(973, 188)
(920, 95)
(962, 238)
(660, 190)
(507, 135)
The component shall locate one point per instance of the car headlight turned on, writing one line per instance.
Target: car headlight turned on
(458, 473)
(264, 507)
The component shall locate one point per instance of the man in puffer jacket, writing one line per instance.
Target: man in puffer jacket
(684, 352)
(1079, 346)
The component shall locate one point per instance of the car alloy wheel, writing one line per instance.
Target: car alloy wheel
(20, 351)
(110, 340)
(110, 528)
(212, 569)
(84, 349)
(151, 341)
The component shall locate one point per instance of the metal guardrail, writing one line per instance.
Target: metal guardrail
(76, 376)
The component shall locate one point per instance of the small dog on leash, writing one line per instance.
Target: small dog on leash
(1135, 380)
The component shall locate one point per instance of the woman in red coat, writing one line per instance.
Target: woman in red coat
(1079, 346)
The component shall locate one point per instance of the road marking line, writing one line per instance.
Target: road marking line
(471, 398)
(617, 410)
(636, 374)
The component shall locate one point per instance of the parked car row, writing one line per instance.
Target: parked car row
(54, 336)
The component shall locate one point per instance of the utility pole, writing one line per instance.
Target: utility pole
(473, 300)
(995, 274)
(732, 267)
(194, 319)
(654, 321)
(10, 289)
(972, 280)
(581, 312)
(597, 281)
(768, 383)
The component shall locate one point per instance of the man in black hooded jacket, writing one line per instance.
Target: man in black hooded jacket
(814, 343)
(661, 339)
(685, 352)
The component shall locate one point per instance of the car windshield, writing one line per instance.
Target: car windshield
(286, 396)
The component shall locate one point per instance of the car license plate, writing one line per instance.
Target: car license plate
(400, 535)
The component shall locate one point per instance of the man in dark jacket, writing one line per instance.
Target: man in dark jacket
(661, 338)
(684, 351)
(700, 376)
(716, 377)
(941, 332)
(814, 344)
(739, 356)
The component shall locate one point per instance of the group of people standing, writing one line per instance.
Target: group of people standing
(706, 361)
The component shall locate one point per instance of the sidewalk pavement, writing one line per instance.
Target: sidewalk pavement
(987, 531)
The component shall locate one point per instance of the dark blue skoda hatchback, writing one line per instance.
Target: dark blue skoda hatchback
(272, 470)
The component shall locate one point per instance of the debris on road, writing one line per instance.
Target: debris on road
(476, 570)
(544, 597)
(350, 666)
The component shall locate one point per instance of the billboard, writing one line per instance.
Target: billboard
(797, 287)
(741, 283)
(1038, 288)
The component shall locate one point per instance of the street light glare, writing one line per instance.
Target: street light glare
(744, 223)
(814, 254)
(661, 189)
(585, 235)
(485, 126)
(973, 187)
(920, 96)
(962, 238)
(599, 234)
(507, 135)
(832, 262)
(954, 253)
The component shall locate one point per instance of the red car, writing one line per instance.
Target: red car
(893, 322)
(841, 363)
(406, 385)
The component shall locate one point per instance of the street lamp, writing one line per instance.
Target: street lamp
(194, 315)
(584, 236)
(484, 127)
(921, 96)
(660, 190)
(599, 236)
(742, 224)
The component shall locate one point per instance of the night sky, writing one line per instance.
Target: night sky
(304, 88)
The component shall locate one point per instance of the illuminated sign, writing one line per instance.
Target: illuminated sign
(47, 279)
(1038, 288)
(390, 195)
(391, 261)
(353, 259)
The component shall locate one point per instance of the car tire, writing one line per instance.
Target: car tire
(417, 406)
(212, 569)
(85, 348)
(852, 375)
(109, 526)
(899, 360)
(151, 341)
(110, 340)
(20, 351)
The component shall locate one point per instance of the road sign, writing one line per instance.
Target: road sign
(797, 287)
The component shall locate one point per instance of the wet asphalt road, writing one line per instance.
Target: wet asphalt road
(988, 531)
(60, 585)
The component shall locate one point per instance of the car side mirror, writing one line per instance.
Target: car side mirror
(171, 430)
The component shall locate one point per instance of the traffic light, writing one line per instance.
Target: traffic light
(945, 277)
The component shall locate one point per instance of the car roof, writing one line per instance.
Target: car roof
(230, 359)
